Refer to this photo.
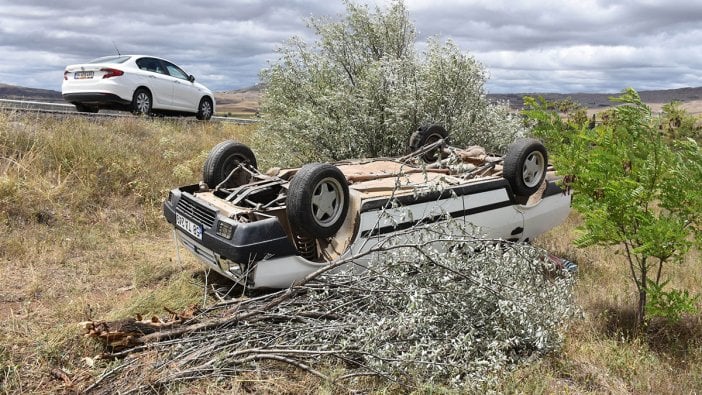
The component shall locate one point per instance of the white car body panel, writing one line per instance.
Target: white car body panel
(498, 223)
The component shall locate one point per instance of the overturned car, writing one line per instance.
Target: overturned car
(268, 230)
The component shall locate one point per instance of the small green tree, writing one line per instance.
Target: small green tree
(361, 88)
(677, 123)
(633, 188)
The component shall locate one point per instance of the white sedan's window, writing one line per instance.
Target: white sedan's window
(150, 64)
(175, 71)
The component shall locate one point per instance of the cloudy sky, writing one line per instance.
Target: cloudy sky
(526, 46)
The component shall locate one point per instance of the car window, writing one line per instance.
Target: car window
(175, 71)
(110, 59)
(151, 64)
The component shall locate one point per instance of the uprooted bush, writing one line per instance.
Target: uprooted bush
(431, 309)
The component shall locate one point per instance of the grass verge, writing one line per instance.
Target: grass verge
(83, 237)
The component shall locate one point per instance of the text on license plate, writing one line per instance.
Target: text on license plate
(189, 226)
(83, 75)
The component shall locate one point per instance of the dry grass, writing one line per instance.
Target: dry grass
(83, 237)
(602, 353)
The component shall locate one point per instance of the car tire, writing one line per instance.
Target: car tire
(224, 158)
(88, 109)
(425, 135)
(318, 199)
(142, 102)
(525, 166)
(204, 109)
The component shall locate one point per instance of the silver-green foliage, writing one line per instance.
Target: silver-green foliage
(434, 306)
(361, 88)
(447, 308)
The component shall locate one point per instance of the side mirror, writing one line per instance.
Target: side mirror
(191, 78)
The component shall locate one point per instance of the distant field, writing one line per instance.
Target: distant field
(245, 103)
(238, 103)
(693, 107)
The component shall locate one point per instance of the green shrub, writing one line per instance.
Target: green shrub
(361, 89)
(634, 189)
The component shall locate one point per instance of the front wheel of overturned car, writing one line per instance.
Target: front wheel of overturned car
(426, 135)
(525, 166)
(223, 159)
(318, 199)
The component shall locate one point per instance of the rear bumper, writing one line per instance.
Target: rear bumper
(95, 98)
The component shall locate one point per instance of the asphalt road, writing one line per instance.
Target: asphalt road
(69, 109)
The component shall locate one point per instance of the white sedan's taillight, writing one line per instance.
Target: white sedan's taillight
(111, 73)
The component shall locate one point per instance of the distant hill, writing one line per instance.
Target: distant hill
(247, 100)
(599, 100)
(240, 101)
(20, 93)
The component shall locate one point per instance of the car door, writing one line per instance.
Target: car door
(158, 81)
(495, 213)
(186, 96)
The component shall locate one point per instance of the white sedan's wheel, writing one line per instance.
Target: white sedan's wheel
(204, 110)
(141, 102)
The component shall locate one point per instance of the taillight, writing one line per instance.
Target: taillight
(65, 75)
(111, 73)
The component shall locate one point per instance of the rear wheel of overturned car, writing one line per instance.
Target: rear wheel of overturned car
(525, 166)
(223, 159)
(318, 199)
(426, 135)
(141, 102)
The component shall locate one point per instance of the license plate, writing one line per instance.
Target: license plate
(189, 226)
(83, 75)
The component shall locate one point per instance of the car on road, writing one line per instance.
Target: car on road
(268, 230)
(138, 83)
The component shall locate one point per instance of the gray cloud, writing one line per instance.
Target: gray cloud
(527, 46)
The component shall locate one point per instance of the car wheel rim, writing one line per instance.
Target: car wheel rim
(533, 169)
(143, 102)
(327, 201)
(206, 109)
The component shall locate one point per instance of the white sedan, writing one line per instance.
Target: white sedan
(137, 83)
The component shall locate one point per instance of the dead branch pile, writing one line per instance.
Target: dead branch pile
(428, 309)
